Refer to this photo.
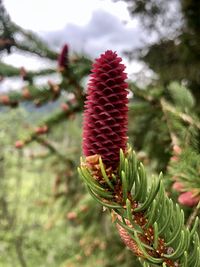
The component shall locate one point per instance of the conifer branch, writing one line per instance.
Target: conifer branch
(148, 221)
(7, 70)
(33, 44)
(184, 117)
(147, 215)
(46, 125)
(38, 95)
(44, 142)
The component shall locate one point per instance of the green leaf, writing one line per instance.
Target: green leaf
(103, 171)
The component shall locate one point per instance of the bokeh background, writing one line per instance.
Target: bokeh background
(47, 217)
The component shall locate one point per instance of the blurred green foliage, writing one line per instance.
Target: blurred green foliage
(43, 223)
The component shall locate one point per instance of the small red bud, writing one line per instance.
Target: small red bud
(71, 215)
(4, 99)
(26, 93)
(42, 129)
(63, 58)
(175, 158)
(19, 144)
(177, 150)
(64, 106)
(177, 186)
(188, 199)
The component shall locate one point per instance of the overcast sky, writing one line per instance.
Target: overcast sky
(44, 15)
(88, 26)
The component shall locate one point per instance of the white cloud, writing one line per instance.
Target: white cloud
(103, 31)
(47, 15)
(89, 26)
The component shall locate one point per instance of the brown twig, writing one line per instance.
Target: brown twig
(193, 216)
(52, 149)
(19, 251)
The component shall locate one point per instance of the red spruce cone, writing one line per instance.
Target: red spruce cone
(63, 58)
(106, 111)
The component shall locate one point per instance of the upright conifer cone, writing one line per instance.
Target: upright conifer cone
(106, 111)
(63, 59)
